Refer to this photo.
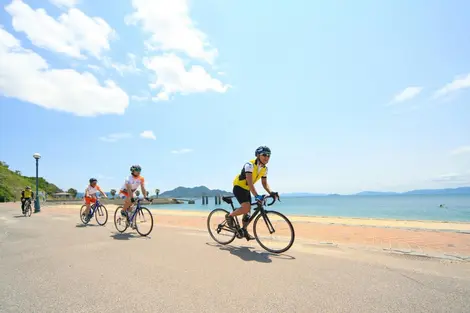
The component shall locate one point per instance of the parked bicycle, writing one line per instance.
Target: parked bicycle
(263, 220)
(27, 208)
(96, 209)
(136, 218)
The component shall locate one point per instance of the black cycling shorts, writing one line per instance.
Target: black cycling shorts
(241, 194)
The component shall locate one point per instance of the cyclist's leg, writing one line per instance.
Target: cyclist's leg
(127, 201)
(87, 203)
(243, 197)
(23, 201)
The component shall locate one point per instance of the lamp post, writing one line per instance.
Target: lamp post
(37, 207)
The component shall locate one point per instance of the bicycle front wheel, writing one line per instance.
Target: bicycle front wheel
(101, 215)
(28, 210)
(143, 220)
(120, 222)
(218, 228)
(275, 230)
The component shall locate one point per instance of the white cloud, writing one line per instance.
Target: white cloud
(72, 33)
(454, 178)
(181, 151)
(140, 98)
(25, 75)
(171, 28)
(64, 3)
(460, 150)
(115, 137)
(130, 67)
(407, 94)
(172, 77)
(148, 134)
(458, 83)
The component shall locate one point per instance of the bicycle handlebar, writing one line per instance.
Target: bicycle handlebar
(265, 198)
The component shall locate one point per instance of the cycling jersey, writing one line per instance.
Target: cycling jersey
(257, 171)
(26, 193)
(135, 182)
(92, 191)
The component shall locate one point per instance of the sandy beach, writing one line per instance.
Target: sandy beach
(432, 238)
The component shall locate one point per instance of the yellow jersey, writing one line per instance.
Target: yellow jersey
(257, 171)
(27, 193)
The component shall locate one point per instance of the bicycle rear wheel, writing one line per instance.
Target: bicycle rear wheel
(102, 214)
(82, 217)
(216, 225)
(143, 220)
(284, 231)
(120, 222)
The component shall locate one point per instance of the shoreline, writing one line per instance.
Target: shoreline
(461, 227)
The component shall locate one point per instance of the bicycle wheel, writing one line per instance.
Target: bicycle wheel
(284, 232)
(216, 221)
(120, 222)
(142, 219)
(102, 214)
(82, 217)
(28, 210)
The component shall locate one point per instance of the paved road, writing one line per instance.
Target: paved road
(50, 263)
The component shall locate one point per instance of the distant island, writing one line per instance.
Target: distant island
(194, 192)
(445, 191)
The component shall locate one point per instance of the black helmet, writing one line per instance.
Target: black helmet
(136, 168)
(93, 180)
(262, 149)
(27, 187)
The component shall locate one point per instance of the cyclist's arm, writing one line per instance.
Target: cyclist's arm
(32, 194)
(144, 191)
(249, 181)
(103, 194)
(264, 181)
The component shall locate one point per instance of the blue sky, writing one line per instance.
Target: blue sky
(350, 96)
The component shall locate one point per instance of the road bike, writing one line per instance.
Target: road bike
(27, 208)
(263, 220)
(135, 218)
(96, 209)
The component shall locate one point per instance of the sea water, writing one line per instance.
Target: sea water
(400, 207)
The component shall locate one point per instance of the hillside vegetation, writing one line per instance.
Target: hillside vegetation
(12, 183)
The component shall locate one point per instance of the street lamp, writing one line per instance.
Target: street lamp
(37, 207)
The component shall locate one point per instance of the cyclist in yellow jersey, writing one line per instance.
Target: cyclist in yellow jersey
(26, 194)
(243, 184)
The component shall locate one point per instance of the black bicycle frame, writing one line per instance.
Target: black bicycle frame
(258, 210)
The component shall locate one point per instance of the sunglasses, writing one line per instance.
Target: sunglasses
(266, 155)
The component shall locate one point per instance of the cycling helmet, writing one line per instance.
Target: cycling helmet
(136, 168)
(93, 180)
(27, 187)
(262, 149)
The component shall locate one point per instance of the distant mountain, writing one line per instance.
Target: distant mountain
(446, 191)
(375, 193)
(194, 192)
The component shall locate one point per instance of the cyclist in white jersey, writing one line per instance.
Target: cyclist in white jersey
(130, 185)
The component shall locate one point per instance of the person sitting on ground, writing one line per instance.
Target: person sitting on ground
(243, 183)
(26, 194)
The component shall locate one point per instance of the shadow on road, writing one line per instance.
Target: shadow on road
(83, 225)
(248, 253)
(127, 236)
(18, 216)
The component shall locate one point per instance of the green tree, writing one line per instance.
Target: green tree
(157, 192)
(113, 192)
(72, 192)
